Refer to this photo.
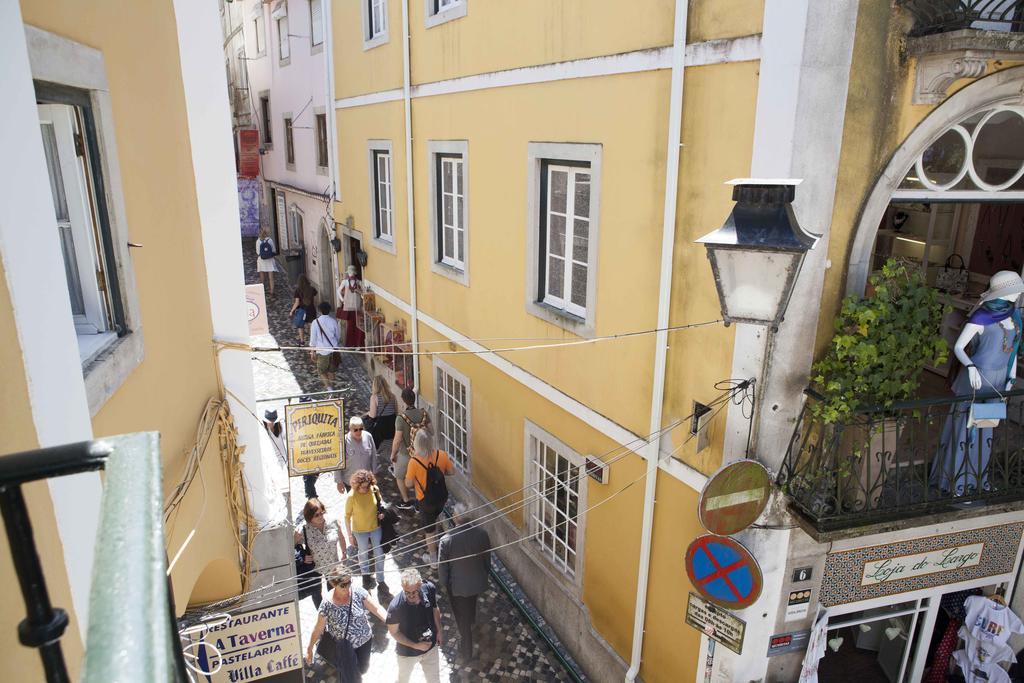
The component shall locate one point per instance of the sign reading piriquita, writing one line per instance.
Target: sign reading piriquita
(263, 644)
(315, 432)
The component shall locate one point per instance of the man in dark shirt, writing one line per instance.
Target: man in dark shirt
(464, 557)
(414, 622)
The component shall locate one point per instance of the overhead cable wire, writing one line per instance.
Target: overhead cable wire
(313, 576)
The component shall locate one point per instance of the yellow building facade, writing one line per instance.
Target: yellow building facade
(458, 127)
(118, 335)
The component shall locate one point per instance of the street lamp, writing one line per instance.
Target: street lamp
(756, 255)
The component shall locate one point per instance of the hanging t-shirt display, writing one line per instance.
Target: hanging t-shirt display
(976, 672)
(983, 652)
(989, 621)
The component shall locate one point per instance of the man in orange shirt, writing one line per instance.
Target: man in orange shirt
(425, 474)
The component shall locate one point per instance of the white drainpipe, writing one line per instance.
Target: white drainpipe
(409, 201)
(668, 237)
(332, 132)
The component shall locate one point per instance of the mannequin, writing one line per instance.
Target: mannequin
(350, 302)
(993, 332)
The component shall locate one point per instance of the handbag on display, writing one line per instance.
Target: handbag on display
(952, 278)
(389, 519)
(986, 415)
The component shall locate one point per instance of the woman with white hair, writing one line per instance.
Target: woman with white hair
(360, 454)
(350, 303)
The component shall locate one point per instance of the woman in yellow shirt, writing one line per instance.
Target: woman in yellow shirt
(362, 520)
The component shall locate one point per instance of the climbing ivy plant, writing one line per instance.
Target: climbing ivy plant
(882, 343)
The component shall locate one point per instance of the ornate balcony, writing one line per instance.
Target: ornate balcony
(942, 16)
(878, 466)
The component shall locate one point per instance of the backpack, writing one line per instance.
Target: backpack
(415, 427)
(266, 249)
(435, 493)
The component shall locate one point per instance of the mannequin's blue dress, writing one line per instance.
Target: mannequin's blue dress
(961, 463)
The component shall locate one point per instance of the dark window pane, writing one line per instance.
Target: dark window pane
(558, 180)
(556, 235)
(579, 285)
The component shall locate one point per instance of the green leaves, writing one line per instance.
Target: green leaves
(881, 344)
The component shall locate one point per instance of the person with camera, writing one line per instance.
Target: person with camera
(414, 621)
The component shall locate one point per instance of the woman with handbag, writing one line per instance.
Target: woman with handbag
(320, 541)
(303, 309)
(382, 413)
(342, 633)
(362, 520)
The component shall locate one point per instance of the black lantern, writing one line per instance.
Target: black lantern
(362, 257)
(757, 254)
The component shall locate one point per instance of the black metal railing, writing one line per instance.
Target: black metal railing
(131, 634)
(941, 16)
(913, 458)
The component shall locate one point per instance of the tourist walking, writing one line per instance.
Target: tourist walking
(275, 430)
(320, 538)
(362, 520)
(350, 304)
(414, 621)
(343, 622)
(360, 454)
(463, 557)
(266, 266)
(383, 408)
(303, 309)
(427, 469)
(324, 336)
(407, 423)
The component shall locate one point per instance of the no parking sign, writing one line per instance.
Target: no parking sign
(723, 571)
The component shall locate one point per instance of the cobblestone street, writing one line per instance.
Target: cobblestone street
(507, 646)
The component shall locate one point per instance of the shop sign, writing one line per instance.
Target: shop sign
(720, 625)
(798, 605)
(781, 643)
(315, 436)
(264, 644)
(920, 564)
(256, 310)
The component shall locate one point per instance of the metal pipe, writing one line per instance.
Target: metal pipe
(409, 198)
(44, 625)
(668, 236)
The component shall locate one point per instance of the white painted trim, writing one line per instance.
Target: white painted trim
(31, 254)
(370, 42)
(652, 450)
(440, 365)
(410, 193)
(213, 165)
(434, 148)
(432, 18)
(332, 116)
(532, 430)
(604, 425)
(1002, 87)
(744, 49)
(537, 153)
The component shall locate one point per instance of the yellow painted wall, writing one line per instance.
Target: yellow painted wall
(671, 647)
(20, 663)
(356, 127)
(715, 19)
(719, 106)
(494, 36)
(358, 72)
(168, 391)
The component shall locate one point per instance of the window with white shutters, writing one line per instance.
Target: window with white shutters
(283, 46)
(565, 232)
(453, 414)
(450, 202)
(381, 172)
(556, 494)
(316, 21)
(377, 16)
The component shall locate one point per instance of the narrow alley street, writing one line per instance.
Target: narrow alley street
(507, 646)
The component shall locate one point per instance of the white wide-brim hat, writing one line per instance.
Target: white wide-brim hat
(1003, 283)
(351, 270)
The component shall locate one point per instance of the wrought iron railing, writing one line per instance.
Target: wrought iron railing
(913, 458)
(131, 634)
(941, 16)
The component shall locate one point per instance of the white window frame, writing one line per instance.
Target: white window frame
(267, 129)
(533, 438)
(284, 48)
(259, 30)
(451, 268)
(460, 455)
(573, 318)
(282, 217)
(373, 39)
(289, 139)
(437, 12)
(383, 233)
(296, 227)
(314, 46)
(58, 60)
(325, 139)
